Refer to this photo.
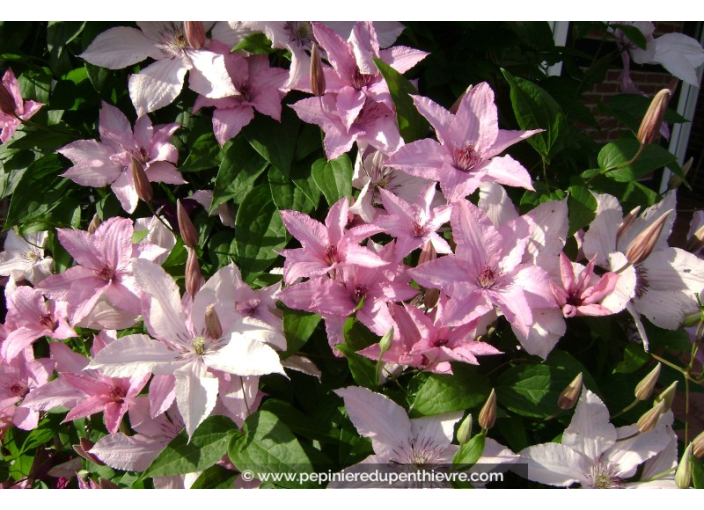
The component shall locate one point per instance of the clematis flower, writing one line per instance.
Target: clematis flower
(158, 84)
(486, 272)
(259, 87)
(594, 453)
(188, 348)
(29, 318)
(13, 110)
(470, 142)
(105, 269)
(403, 443)
(19, 379)
(23, 258)
(108, 162)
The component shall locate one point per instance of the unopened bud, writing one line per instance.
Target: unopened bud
(83, 448)
(693, 319)
(431, 298)
(683, 475)
(569, 396)
(698, 446)
(646, 386)
(189, 234)
(7, 102)
(641, 247)
(675, 181)
(696, 242)
(386, 341)
(141, 181)
(195, 34)
(464, 432)
(456, 105)
(317, 76)
(194, 280)
(487, 416)
(212, 322)
(427, 253)
(94, 224)
(627, 222)
(104, 483)
(650, 418)
(667, 396)
(650, 126)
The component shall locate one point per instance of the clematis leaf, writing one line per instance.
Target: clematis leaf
(470, 452)
(334, 178)
(275, 141)
(298, 328)
(215, 477)
(207, 446)
(447, 393)
(620, 152)
(269, 446)
(240, 167)
(363, 369)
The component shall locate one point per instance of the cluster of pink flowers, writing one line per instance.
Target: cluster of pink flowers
(411, 257)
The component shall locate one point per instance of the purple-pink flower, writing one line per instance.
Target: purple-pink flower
(13, 109)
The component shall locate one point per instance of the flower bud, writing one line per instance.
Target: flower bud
(431, 298)
(667, 396)
(141, 181)
(94, 224)
(676, 181)
(683, 475)
(487, 416)
(188, 231)
(195, 34)
(692, 319)
(696, 242)
(83, 448)
(464, 432)
(317, 76)
(646, 386)
(698, 446)
(212, 322)
(641, 247)
(7, 102)
(427, 253)
(650, 418)
(194, 280)
(650, 126)
(569, 396)
(386, 341)
(627, 222)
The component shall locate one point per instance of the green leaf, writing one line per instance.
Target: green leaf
(470, 452)
(532, 389)
(35, 84)
(207, 446)
(582, 207)
(275, 141)
(215, 477)
(618, 153)
(334, 178)
(363, 369)
(442, 393)
(269, 446)
(634, 357)
(697, 474)
(256, 43)
(357, 335)
(298, 328)
(239, 169)
(287, 195)
(204, 154)
(631, 108)
(139, 235)
(412, 124)
(666, 339)
(58, 35)
(536, 109)
(259, 231)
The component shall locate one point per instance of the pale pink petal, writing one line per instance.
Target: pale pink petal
(120, 47)
(92, 163)
(590, 432)
(162, 392)
(600, 239)
(506, 170)
(128, 453)
(438, 117)
(209, 76)
(136, 355)
(506, 138)
(554, 464)
(349, 103)
(157, 85)
(402, 58)
(245, 356)
(196, 395)
(126, 192)
(228, 122)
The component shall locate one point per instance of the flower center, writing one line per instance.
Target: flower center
(487, 277)
(245, 91)
(106, 273)
(604, 476)
(642, 284)
(360, 79)
(418, 230)
(418, 452)
(248, 308)
(19, 389)
(439, 342)
(299, 32)
(359, 292)
(47, 321)
(466, 157)
(331, 254)
(117, 394)
(199, 345)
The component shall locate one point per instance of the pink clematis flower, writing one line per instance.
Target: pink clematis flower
(19, 380)
(29, 318)
(189, 349)
(259, 87)
(486, 272)
(158, 84)
(326, 247)
(415, 224)
(470, 142)
(594, 453)
(105, 269)
(107, 162)
(23, 258)
(13, 110)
